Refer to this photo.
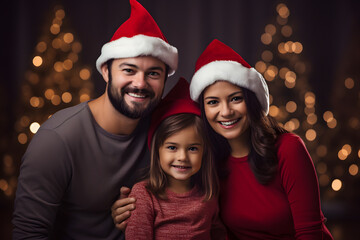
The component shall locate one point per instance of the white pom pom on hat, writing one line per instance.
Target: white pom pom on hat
(220, 62)
(139, 36)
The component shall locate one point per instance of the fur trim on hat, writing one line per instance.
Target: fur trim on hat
(232, 72)
(139, 45)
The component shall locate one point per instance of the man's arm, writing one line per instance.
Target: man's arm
(44, 176)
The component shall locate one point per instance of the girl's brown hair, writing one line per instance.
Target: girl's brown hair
(205, 179)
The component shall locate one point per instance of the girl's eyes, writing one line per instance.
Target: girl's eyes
(193, 149)
(171, 148)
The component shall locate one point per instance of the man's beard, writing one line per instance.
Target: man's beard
(138, 110)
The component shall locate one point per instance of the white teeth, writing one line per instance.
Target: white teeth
(182, 167)
(229, 123)
(136, 95)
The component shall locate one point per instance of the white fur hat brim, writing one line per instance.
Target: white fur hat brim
(139, 45)
(232, 72)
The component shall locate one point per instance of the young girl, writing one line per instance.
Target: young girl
(179, 199)
(269, 188)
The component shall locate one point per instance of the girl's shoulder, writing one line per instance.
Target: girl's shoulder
(139, 189)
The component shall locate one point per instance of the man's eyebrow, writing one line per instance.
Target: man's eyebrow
(136, 67)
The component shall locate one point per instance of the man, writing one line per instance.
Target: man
(75, 165)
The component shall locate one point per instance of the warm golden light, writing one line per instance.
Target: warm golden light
(309, 110)
(309, 99)
(359, 153)
(266, 38)
(271, 99)
(35, 102)
(354, 123)
(283, 11)
(49, 93)
(68, 37)
(3, 185)
(24, 121)
(282, 72)
(288, 47)
(349, 83)
(281, 21)
(56, 100)
(37, 61)
(290, 77)
(73, 57)
(347, 148)
(271, 29)
(68, 64)
(328, 116)
(58, 66)
(56, 43)
(22, 138)
(84, 74)
(60, 14)
(76, 47)
(291, 106)
(321, 151)
(290, 126)
(332, 123)
(342, 154)
(84, 97)
(311, 118)
(297, 47)
(41, 47)
(55, 29)
(260, 66)
(267, 56)
(286, 31)
(34, 127)
(310, 135)
(66, 97)
(336, 184)
(353, 169)
(281, 48)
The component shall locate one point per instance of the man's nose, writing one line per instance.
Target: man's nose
(139, 80)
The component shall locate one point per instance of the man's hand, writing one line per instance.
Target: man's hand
(121, 209)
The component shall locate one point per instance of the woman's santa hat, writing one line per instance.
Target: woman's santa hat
(176, 101)
(220, 62)
(139, 36)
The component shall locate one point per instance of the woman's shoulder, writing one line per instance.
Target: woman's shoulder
(287, 138)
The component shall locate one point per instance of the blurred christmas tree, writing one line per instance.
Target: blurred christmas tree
(55, 80)
(329, 136)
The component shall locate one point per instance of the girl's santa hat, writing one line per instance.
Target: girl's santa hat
(220, 62)
(139, 36)
(176, 101)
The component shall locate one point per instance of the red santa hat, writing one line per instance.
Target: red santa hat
(176, 101)
(220, 62)
(139, 36)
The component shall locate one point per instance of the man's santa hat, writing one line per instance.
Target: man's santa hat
(139, 36)
(220, 62)
(176, 101)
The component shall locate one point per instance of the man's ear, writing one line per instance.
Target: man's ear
(105, 72)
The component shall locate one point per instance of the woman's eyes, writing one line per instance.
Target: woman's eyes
(212, 102)
(237, 98)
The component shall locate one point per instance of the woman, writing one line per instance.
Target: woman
(269, 187)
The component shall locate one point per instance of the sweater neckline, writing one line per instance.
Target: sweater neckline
(238, 159)
(182, 195)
